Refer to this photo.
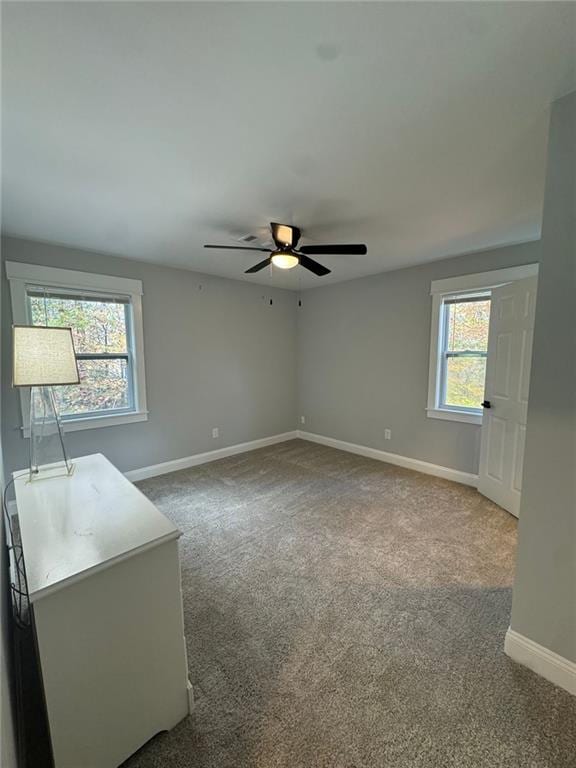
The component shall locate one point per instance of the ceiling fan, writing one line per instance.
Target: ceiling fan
(285, 255)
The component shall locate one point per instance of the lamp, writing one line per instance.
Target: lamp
(42, 358)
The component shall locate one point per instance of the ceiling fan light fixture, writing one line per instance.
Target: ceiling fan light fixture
(285, 260)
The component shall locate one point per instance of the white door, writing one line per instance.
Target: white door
(506, 392)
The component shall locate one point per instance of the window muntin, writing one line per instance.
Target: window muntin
(463, 351)
(102, 331)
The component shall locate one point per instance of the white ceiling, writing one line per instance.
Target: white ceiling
(147, 129)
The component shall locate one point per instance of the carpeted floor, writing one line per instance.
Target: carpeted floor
(344, 613)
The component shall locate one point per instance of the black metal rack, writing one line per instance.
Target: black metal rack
(32, 737)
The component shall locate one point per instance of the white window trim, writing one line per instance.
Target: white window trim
(21, 276)
(443, 289)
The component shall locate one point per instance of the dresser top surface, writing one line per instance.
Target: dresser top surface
(72, 526)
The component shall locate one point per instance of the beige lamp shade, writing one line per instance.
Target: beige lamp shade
(43, 357)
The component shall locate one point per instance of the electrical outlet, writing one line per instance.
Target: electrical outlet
(387, 434)
(215, 433)
(302, 419)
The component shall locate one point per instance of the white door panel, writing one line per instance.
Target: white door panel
(519, 456)
(507, 384)
(497, 437)
(525, 360)
(502, 368)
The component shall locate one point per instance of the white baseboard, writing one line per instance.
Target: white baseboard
(548, 664)
(221, 453)
(203, 458)
(191, 702)
(394, 458)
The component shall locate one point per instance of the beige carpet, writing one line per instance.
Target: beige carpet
(344, 613)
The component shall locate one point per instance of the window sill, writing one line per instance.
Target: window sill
(447, 415)
(94, 422)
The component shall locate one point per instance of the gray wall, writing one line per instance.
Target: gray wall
(7, 735)
(217, 355)
(544, 607)
(363, 355)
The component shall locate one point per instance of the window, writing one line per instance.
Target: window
(463, 352)
(105, 316)
(464, 347)
(101, 331)
(459, 342)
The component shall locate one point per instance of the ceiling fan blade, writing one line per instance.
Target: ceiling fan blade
(259, 266)
(285, 235)
(239, 248)
(312, 265)
(355, 249)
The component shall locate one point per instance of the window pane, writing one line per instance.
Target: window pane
(468, 325)
(104, 386)
(97, 326)
(464, 385)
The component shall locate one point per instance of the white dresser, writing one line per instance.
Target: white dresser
(104, 584)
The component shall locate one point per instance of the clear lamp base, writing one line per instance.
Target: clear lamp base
(48, 457)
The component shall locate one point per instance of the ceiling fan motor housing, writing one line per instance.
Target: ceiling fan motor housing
(284, 235)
